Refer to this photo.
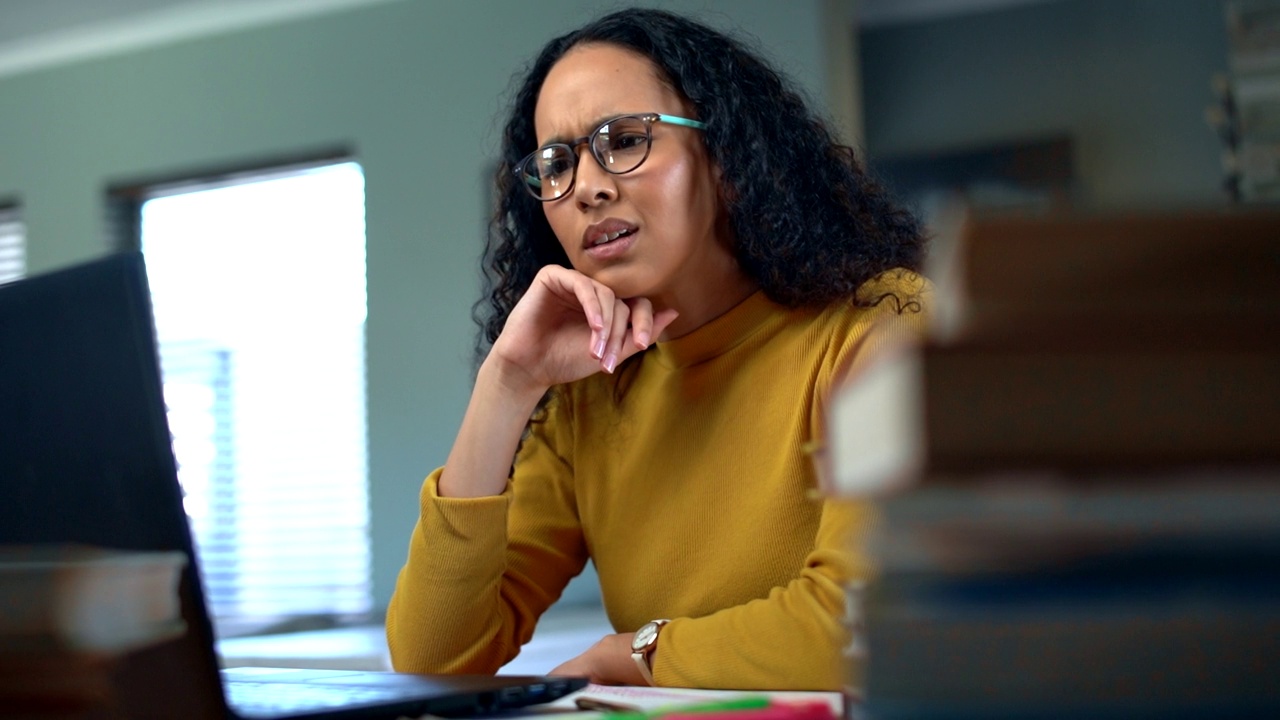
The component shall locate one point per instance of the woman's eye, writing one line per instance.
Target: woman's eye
(629, 141)
(554, 167)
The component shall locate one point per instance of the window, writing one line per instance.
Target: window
(12, 245)
(258, 287)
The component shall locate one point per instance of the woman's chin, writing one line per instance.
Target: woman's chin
(623, 284)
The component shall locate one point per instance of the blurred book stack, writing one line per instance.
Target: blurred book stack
(1078, 472)
(68, 613)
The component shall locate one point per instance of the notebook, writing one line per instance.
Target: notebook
(85, 457)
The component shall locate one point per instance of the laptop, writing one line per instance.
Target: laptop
(85, 457)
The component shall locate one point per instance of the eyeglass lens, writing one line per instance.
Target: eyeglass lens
(620, 146)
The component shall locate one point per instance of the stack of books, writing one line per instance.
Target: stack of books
(1078, 472)
(68, 613)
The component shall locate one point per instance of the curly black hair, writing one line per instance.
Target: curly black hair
(808, 225)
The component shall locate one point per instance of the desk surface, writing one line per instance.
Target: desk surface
(647, 699)
(562, 633)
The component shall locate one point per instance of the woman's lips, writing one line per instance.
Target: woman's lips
(612, 249)
(608, 239)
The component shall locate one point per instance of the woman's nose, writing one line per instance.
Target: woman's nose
(594, 184)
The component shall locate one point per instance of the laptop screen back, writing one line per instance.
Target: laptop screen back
(85, 455)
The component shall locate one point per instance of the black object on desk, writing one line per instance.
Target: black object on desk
(85, 457)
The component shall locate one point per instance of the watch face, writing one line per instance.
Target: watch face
(645, 635)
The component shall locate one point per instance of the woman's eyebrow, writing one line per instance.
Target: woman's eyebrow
(592, 125)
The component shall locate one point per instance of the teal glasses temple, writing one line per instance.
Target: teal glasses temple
(675, 120)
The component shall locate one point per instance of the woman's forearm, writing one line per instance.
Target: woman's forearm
(479, 463)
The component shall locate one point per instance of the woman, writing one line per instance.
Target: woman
(660, 183)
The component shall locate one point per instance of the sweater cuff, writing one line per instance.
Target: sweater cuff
(463, 532)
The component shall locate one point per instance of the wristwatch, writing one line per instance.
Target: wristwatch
(643, 645)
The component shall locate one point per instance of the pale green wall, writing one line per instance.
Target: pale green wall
(414, 88)
(1128, 80)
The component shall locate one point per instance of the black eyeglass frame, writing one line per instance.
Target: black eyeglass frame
(533, 184)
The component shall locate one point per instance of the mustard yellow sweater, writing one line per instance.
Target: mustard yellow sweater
(685, 477)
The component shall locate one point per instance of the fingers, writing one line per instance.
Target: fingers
(641, 322)
(663, 319)
(617, 335)
(645, 325)
(593, 306)
(598, 304)
(602, 337)
(619, 328)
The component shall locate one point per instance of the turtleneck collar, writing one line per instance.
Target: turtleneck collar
(719, 335)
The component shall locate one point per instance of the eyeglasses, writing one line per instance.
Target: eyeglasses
(620, 145)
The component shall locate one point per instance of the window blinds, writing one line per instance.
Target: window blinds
(12, 245)
(258, 287)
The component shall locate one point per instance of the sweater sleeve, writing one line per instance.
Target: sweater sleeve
(481, 571)
(790, 640)
(795, 639)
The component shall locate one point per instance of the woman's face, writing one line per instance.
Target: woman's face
(667, 208)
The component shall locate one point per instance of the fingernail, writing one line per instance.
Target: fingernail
(597, 352)
(642, 339)
(610, 362)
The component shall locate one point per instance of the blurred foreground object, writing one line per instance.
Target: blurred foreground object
(1078, 343)
(1078, 473)
(68, 612)
(1246, 109)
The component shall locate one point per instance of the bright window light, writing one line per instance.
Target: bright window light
(258, 288)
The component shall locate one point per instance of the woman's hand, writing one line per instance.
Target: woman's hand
(608, 662)
(568, 326)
